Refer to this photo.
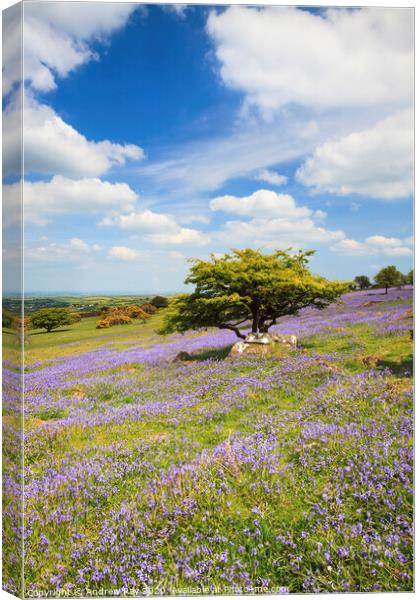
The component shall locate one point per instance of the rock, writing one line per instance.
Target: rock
(289, 340)
(258, 338)
(262, 343)
(242, 348)
(182, 356)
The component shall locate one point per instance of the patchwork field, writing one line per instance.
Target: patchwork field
(291, 473)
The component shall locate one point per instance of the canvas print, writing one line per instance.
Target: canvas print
(207, 299)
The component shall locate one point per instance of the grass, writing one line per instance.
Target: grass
(83, 336)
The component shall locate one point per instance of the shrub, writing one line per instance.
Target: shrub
(102, 324)
(135, 312)
(122, 316)
(114, 318)
(160, 301)
(149, 308)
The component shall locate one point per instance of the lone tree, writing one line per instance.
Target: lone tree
(363, 282)
(389, 277)
(160, 301)
(247, 285)
(51, 318)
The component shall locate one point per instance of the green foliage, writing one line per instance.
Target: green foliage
(247, 285)
(389, 277)
(362, 282)
(160, 302)
(8, 319)
(51, 318)
(410, 277)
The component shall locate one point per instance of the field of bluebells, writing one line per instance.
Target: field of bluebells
(288, 473)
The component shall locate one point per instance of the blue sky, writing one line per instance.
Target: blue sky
(154, 134)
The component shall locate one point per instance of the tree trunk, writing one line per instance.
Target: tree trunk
(255, 310)
(386, 289)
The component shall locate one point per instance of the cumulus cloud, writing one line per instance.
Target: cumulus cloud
(262, 203)
(271, 177)
(145, 221)
(60, 196)
(277, 233)
(377, 162)
(123, 253)
(58, 36)
(158, 228)
(52, 146)
(353, 57)
(373, 245)
(276, 221)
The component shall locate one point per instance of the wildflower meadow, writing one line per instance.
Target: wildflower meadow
(219, 474)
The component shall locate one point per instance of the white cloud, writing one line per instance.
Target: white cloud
(145, 221)
(52, 146)
(123, 253)
(179, 10)
(276, 221)
(353, 57)
(78, 244)
(58, 37)
(401, 251)
(184, 236)
(376, 162)
(157, 228)
(383, 242)
(73, 251)
(271, 177)
(186, 171)
(352, 248)
(373, 245)
(262, 203)
(44, 200)
(276, 233)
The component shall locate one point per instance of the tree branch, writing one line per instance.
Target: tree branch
(232, 328)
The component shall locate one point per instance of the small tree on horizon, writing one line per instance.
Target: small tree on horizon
(389, 277)
(51, 318)
(247, 285)
(363, 282)
(159, 301)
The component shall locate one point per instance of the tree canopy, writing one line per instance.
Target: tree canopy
(248, 286)
(51, 318)
(362, 281)
(159, 301)
(389, 277)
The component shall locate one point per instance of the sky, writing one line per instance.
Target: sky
(158, 133)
